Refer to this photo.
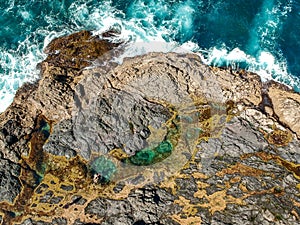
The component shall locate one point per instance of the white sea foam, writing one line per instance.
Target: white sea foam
(143, 33)
(266, 65)
(17, 68)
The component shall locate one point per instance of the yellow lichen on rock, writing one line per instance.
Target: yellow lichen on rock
(241, 169)
(193, 220)
(278, 137)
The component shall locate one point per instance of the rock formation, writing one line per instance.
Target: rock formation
(160, 139)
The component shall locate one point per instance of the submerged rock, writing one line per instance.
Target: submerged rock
(169, 140)
(102, 169)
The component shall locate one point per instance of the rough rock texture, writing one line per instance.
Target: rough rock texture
(287, 108)
(52, 96)
(9, 182)
(77, 50)
(232, 154)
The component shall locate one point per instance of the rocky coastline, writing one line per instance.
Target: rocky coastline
(160, 139)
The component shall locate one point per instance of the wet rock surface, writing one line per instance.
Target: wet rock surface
(77, 51)
(187, 144)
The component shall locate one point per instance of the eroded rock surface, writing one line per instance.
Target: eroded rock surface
(188, 144)
(52, 96)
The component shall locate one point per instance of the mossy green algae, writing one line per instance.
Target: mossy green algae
(148, 156)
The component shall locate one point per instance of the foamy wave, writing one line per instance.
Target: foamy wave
(266, 65)
(151, 26)
(19, 66)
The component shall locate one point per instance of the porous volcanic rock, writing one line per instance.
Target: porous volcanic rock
(188, 143)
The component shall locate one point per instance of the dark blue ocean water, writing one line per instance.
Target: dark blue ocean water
(259, 35)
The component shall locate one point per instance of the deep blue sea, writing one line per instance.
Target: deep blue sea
(258, 35)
